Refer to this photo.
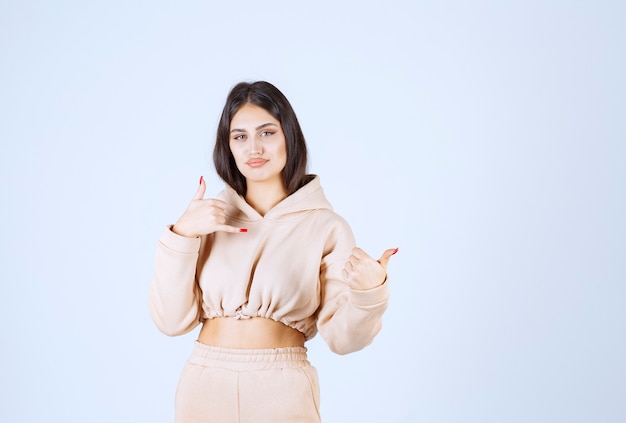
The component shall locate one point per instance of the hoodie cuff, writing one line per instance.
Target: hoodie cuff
(370, 297)
(179, 243)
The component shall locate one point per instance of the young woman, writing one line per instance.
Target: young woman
(262, 268)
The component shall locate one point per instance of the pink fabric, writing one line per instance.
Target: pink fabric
(225, 385)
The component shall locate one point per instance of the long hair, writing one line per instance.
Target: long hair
(267, 96)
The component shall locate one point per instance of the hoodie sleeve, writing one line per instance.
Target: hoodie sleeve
(348, 319)
(175, 297)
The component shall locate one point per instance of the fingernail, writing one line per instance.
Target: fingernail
(395, 251)
(243, 230)
(200, 180)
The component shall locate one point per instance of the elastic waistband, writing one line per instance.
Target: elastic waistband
(248, 359)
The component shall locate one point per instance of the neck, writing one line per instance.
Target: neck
(264, 196)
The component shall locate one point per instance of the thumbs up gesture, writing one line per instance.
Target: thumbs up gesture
(204, 216)
(364, 272)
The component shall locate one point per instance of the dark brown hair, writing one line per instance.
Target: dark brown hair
(267, 96)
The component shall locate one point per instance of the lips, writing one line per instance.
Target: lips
(256, 162)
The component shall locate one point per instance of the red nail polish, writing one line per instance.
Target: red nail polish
(395, 251)
(200, 180)
(243, 230)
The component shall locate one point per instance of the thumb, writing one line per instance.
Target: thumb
(384, 259)
(199, 195)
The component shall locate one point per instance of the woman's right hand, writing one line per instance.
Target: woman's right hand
(204, 217)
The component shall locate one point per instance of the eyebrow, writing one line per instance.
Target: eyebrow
(265, 125)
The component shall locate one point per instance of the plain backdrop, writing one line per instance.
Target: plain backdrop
(485, 139)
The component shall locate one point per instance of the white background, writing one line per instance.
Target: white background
(485, 139)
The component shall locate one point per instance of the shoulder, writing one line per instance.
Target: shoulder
(336, 231)
(333, 218)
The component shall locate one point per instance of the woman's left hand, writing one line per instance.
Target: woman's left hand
(364, 272)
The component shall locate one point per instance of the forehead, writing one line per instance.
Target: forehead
(252, 116)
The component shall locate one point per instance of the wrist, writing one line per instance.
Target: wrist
(178, 231)
(365, 286)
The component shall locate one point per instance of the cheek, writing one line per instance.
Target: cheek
(236, 152)
(282, 151)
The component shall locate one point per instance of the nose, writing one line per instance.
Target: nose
(256, 148)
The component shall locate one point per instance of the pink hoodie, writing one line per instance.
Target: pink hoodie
(287, 268)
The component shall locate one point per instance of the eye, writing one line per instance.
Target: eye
(239, 137)
(267, 133)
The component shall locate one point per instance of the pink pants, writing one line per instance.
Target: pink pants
(225, 385)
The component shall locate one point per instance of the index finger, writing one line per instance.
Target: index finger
(359, 253)
(231, 229)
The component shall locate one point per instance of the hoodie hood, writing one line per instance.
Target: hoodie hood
(308, 198)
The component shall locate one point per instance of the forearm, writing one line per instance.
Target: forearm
(350, 319)
(174, 298)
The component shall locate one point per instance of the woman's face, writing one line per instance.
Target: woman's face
(257, 143)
